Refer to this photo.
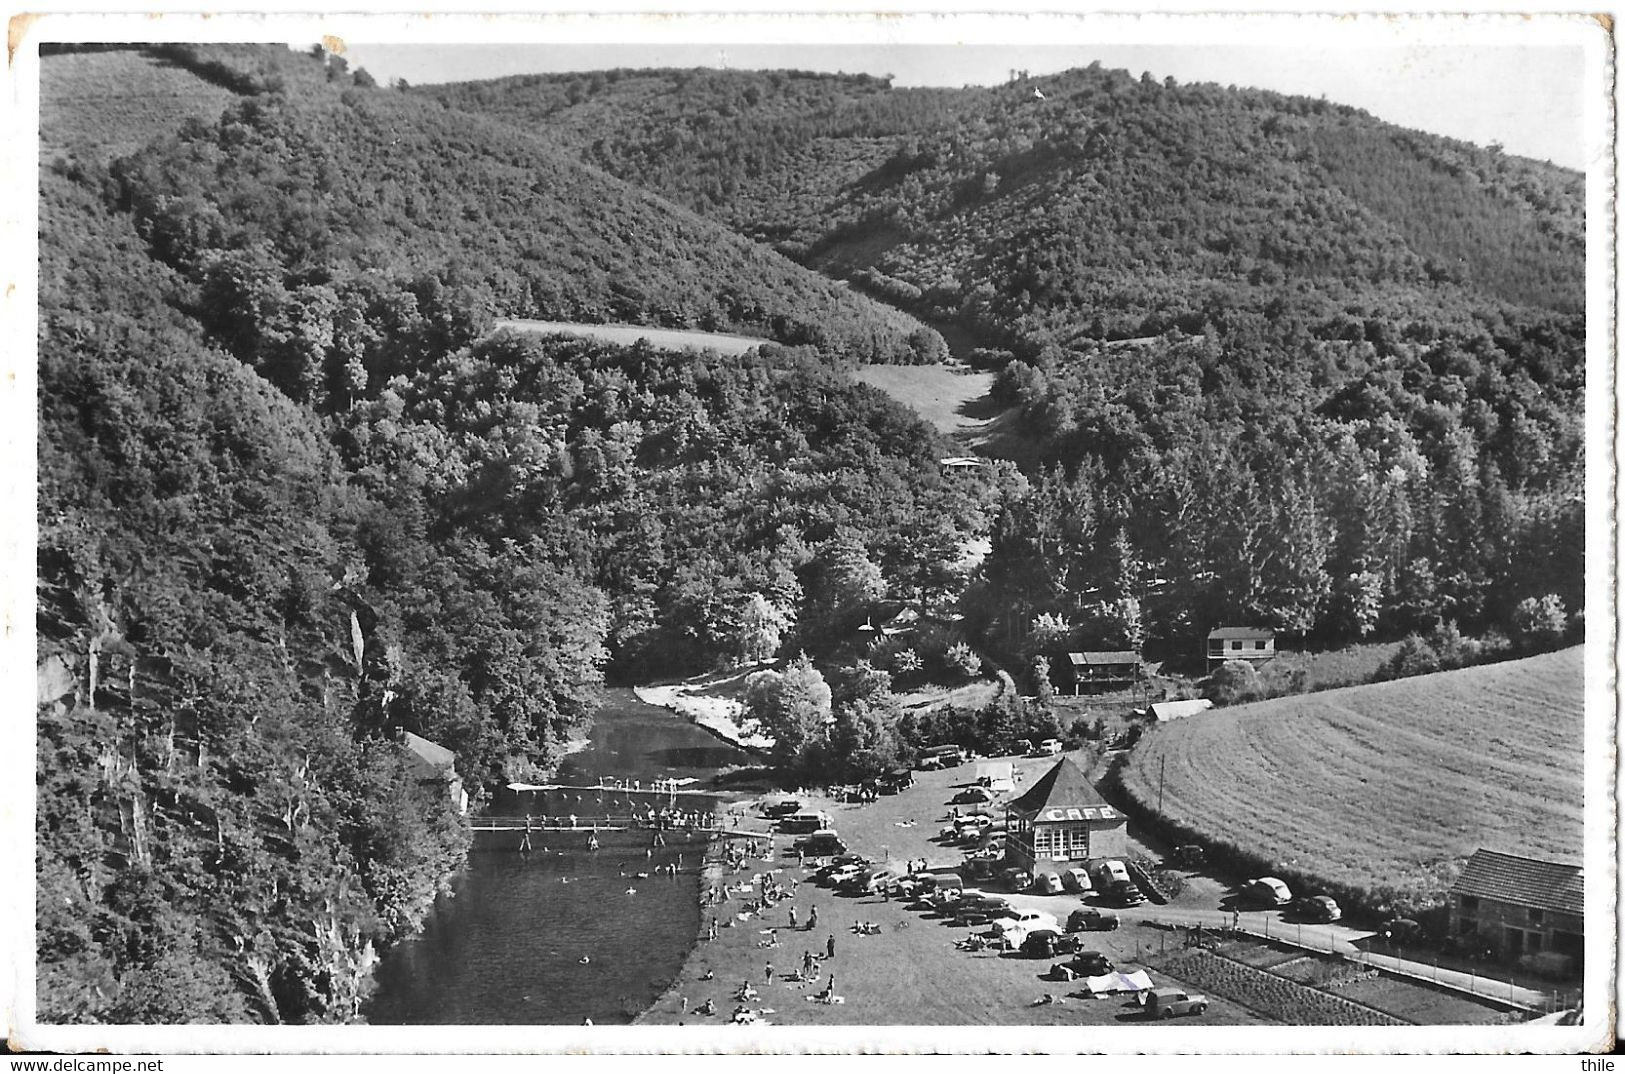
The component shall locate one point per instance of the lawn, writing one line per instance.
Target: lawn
(627, 334)
(118, 101)
(938, 394)
(1386, 786)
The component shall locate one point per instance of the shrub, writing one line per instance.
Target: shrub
(1415, 656)
(1539, 622)
(961, 659)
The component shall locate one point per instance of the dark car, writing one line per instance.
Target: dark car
(1083, 964)
(1122, 893)
(820, 844)
(1089, 919)
(1402, 930)
(972, 796)
(1047, 943)
(1319, 908)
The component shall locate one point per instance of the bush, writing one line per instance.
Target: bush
(1539, 623)
(906, 662)
(961, 659)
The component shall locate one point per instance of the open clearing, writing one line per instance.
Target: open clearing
(1391, 784)
(118, 101)
(939, 394)
(676, 339)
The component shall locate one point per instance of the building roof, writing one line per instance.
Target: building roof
(1239, 633)
(1162, 711)
(1542, 885)
(1120, 656)
(1063, 786)
(428, 760)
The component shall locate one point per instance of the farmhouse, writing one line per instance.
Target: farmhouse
(1254, 644)
(1061, 818)
(1522, 906)
(431, 763)
(1099, 670)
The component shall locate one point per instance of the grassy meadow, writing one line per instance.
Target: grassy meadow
(1377, 793)
(118, 101)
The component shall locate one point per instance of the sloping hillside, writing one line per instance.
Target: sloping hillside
(1382, 789)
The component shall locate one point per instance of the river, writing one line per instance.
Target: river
(507, 947)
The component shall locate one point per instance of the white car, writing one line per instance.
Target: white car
(1015, 926)
(1049, 747)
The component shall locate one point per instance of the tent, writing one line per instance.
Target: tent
(1108, 983)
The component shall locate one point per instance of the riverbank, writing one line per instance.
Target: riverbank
(721, 715)
(910, 972)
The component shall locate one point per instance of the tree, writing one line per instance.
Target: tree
(1539, 622)
(961, 659)
(843, 586)
(793, 708)
(1043, 689)
(761, 627)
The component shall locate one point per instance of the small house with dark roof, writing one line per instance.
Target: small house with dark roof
(1252, 644)
(1520, 906)
(431, 763)
(1099, 670)
(1061, 818)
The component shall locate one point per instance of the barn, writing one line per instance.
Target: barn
(1523, 907)
(1062, 818)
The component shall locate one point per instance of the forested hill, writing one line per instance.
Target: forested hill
(1275, 360)
(294, 499)
(1037, 208)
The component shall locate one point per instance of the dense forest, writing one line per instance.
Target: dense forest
(1275, 360)
(1267, 359)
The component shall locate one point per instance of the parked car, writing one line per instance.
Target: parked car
(972, 796)
(1077, 881)
(1049, 747)
(1402, 930)
(1025, 921)
(1047, 943)
(1088, 919)
(1083, 964)
(1122, 893)
(1266, 891)
(783, 808)
(1168, 1002)
(1046, 884)
(843, 876)
(1320, 908)
(824, 843)
(1017, 879)
(1108, 871)
(1190, 855)
(823, 871)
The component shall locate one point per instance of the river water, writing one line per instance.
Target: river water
(507, 947)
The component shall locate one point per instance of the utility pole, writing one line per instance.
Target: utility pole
(1162, 776)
